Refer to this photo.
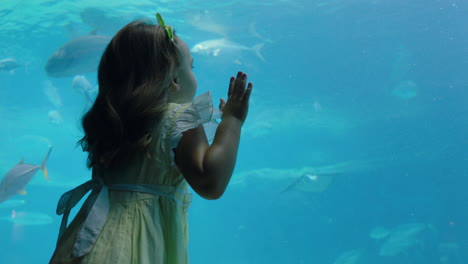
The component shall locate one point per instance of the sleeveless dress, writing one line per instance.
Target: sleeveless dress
(137, 215)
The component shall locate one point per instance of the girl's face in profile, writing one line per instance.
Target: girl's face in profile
(186, 83)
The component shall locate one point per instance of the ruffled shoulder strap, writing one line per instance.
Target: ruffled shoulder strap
(183, 117)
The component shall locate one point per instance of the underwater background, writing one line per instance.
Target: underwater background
(354, 150)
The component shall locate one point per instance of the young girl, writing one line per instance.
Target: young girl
(146, 143)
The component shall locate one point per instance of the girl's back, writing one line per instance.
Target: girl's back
(146, 144)
(150, 225)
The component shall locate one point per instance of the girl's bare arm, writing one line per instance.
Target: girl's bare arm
(208, 169)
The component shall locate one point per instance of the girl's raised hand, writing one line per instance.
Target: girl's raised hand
(237, 104)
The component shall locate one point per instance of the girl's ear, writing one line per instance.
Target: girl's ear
(174, 84)
(173, 91)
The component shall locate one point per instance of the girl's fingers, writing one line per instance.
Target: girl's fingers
(235, 90)
(232, 81)
(248, 91)
(222, 103)
(239, 87)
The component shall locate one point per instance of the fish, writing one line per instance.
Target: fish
(55, 117)
(216, 46)
(81, 85)
(405, 90)
(379, 233)
(349, 257)
(103, 20)
(12, 204)
(450, 253)
(16, 179)
(78, 56)
(311, 182)
(253, 31)
(9, 65)
(204, 21)
(28, 218)
(52, 94)
(406, 236)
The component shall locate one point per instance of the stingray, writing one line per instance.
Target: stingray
(311, 182)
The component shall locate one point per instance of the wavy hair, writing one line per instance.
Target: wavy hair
(134, 74)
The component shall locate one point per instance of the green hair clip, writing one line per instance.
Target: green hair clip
(169, 30)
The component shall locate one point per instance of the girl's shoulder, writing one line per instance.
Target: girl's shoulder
(199, 111)
(182, 117)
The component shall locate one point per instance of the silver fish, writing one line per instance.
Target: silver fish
(405, 90)
(16, 179)
(216, 46)
(103, 20)
(81, 85)
(12, 204)
(55, 117)
(28, 218)
(9, 64)
(350, 257)
(404, 237)
(205, 21)
(379, 232)
(78, 56)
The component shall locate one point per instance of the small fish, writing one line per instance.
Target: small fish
(216, 46)
(52, 94)
(379, 232)
(311, 182)
(205, 21)
(350, 257)
(55, 117)
(405, 90)
(12, 204)
(9, 64)
(78, 56)
(103, 20)
(406, 236)
(81, 85)
(28, 218)
(16, 179)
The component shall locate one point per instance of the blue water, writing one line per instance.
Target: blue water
(373, 90)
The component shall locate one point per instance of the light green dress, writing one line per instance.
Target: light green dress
(137, 215)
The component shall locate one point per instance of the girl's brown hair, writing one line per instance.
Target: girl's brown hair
(134, 74)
